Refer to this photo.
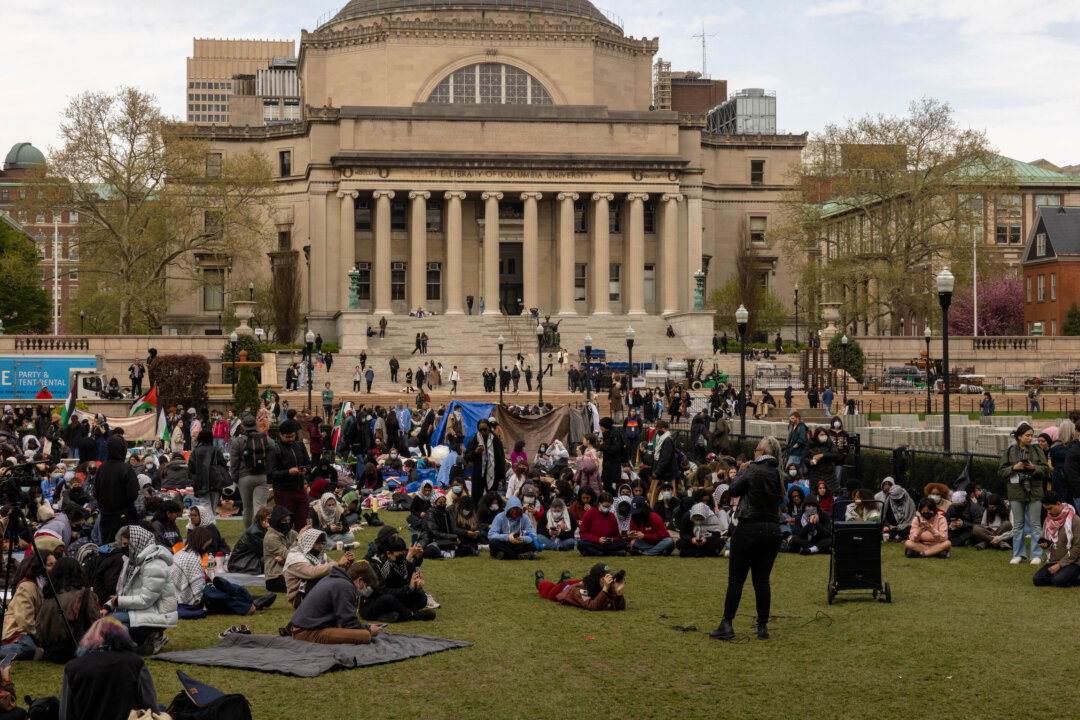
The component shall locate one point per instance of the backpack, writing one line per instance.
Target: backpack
(255, 452)
(43, 708)
(227, 707)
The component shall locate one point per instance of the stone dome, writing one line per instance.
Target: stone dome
(575, 8)
(23, 156)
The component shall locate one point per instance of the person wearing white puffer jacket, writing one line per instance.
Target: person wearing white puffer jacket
(145, 600)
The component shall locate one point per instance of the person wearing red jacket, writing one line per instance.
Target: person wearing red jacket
(599, 532)
(647, 533)
(43, 394)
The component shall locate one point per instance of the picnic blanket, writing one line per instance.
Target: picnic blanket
(269, 653)
(243, 579)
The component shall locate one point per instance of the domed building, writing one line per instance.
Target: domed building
(501, 155)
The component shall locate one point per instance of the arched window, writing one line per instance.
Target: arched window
(490, 84)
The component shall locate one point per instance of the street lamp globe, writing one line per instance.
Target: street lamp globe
(588, 342)
(742, 315)
(630, 335)
(233, 337)
(926, 332)
(539, 331)
(945, 282)
(843, 340)
(500, 342)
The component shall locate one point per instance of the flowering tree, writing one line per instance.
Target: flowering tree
(1001, 307)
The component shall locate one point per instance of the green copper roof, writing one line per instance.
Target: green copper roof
(23, 155)
(1028, 174)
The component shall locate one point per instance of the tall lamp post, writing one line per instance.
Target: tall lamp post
(82, 320)
(796, 317)
(926, 334)
(741, 317)
(500, 374)
(630, 353)
(540, 361)
(945, 283)
(232, 341)
(843, 348)
(309, 340)
(588, 368)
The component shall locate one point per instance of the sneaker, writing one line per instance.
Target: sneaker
(526, 556)
(565, 576)
(727, 553)
(1036, 561)
(261, 602)
(724, 632)
(539, 577)
(432, 603)
(944, 554)
(909, 553)
(483, 548)
(1016, 560)
(425, 615)
(159, 643)
(39, 654)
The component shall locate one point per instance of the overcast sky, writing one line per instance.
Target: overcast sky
(1007, 66)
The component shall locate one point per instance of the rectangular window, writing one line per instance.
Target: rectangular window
(41, 274)
(1008, 206)
(614, 282)
(581, 224)
(73, 249)
(579, 281)
(1040, 288)
(757, 230)
(41, 248)
(212, 222)
(1014, 234)
(213, 165)
(284, 240)
(1053, 327)
(73, 276)
(650, 216)
(363, 215)
(1040, 244)
(757, 172)
(614, 213)
(4, 195)
(434, 281)
(650, 283)
(764, 280)
(40, 219)
(398, 215)
(1007, 234)
(1053, 286)
(1028, 289)
(73, 217)
(56, 218)
(213, 289)
(1047, 200)
(434, 218)
(363, 288)
(285, 163)
(397, 281)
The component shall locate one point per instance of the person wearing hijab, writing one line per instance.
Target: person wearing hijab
(279, 539)
(898, 510)
(812, 532)
(218, 547)
(145, 600)
(107, 679)
(599, 590)
(555, 528)
(246, 557)
(307, 563)
(421, 505)
(327, 514)
(116, 486)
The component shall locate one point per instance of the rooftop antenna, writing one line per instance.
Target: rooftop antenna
(704, 37)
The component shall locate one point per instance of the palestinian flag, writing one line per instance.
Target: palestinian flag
(163, 428)
(67, 413)
(336, 432)
(146, 402)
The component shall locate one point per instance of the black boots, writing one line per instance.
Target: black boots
(724, 632)
(763, 631)
(373, 519)
(565, 576)
(539, 577)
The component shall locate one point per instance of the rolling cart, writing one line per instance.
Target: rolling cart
(855, 562)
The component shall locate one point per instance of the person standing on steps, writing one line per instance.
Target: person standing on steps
(528, 378)
(394, 365)
(369, 377)
(468, 303)
(357, 378)
(382, 327)
(136, 372)
(515, 376)
(481, 304)
(318, 344)
(423, 343)
(328, 358)
(454, 377)
(755, 540)
(416, 347)
(328, 401)
(723, 344)
(363, 359)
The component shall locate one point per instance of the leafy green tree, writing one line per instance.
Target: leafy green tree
(247, 390)
(768, 318)
(1072, 321)
(854, 356)
(24, 304)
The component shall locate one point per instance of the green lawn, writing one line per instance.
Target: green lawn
(964, 637)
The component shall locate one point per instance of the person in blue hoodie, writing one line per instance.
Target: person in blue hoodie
(512, 535)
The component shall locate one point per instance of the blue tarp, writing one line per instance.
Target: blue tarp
(471, 413)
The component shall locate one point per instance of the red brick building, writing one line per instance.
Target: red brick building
(54, 234)
(1051, 268)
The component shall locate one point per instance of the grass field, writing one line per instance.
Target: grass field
(965, 637)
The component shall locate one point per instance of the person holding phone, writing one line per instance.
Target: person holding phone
(599, 590)
(512, 535)
(1061, 542)
(399, 595)
(328, 615)
(287, 466)
(1023, 466)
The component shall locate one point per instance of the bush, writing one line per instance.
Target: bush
(854, 356)
(247, 391)
(243, 342)
(181, 379)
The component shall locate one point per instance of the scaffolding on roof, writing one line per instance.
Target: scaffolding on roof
(662, 84)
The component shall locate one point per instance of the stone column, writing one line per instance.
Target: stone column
(491, 252)
(566, 253)
(418, 249)
(601, 259)
(347, 246)
(454, 299)
(530, 252)
(382, 251)
(634, 277)
(317, 233)
(669, 252)
(693, 244)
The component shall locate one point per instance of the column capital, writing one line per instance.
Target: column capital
(490, 194)
(637, 196)
(532, 196)
(669, 197)
(348, 193)
(454, 195)
(572, 196)
(597, 197)
(413, 194)
(389, 194)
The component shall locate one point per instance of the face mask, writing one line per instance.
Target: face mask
(556, 515)
(393, 456)
(441, 507)
(605, 510)
(836, 425)
(821, 438)
(793, 472)
(456, 489)
(928, 515)
(466, 513)
(666, 495)
(935, 498)
(366, 592)
(514, 514)
(493, 506)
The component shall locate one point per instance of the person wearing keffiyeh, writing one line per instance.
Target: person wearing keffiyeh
(1061, 542)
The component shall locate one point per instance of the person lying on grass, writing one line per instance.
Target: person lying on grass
(929, 532)
(307, 563)
(328, 615)
(1061, 543)
(599, 590)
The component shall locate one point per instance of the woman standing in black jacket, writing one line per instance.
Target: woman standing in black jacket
(756, 538)
(115, 488)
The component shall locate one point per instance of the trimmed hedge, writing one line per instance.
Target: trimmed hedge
(181, 379)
